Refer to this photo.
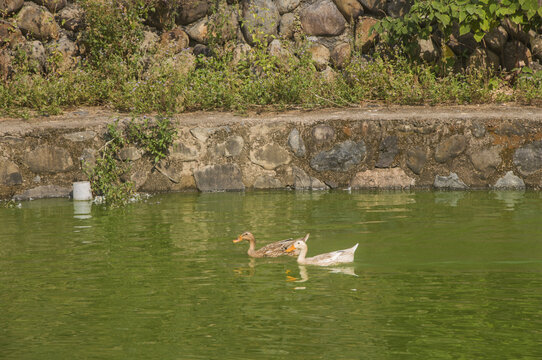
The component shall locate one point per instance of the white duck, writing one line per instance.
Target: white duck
(331, 258)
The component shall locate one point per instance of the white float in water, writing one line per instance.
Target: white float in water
(81, 191)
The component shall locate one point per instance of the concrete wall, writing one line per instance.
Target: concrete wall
(375, 148)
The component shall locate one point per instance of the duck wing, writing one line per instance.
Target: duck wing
(276, 249)
(334, 257)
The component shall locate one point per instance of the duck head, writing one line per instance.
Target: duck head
(299, 244)
(244, 236)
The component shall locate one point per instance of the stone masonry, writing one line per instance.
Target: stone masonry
(455, 148)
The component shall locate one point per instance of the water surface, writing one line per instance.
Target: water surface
(437, 275)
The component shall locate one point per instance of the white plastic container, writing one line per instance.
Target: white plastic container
(81, 191)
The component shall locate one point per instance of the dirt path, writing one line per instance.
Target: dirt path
(91, 117)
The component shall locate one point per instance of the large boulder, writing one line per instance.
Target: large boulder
(9, 173)
(267, 182)
(486, 161)
(462, 44)
(173, 41)
(52, 5)
(240, 53)
(377, 7)
(428, 51)
(416, 160)
(260, 21)
(42, 192)
(515, 55)
(38, 22)
(36, 56)
(350, 9)
(342, 157)
(71, 17)
(226, 177)
(322, 19)
(496, 39)
(270, 156)
(484, 59)
(320, 55)
(528, 158)
(323, 133)
(61, 54)
(340, 55)
(283, 55)
(302, 181)
(232, 147)
(509, 182)
(10, 35)
(10, 6)
(536, 46)
(450, 182)
(515, 31)
(388, 149)
(183, 152)
(296, 143)
(191, 10)
(286, 6)
(48, 159)
(364, 39)
(385, 179)
(287, 26)
(129, 153)
(223, 24)
(450, 148)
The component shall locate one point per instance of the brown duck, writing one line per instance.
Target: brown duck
(275, 249)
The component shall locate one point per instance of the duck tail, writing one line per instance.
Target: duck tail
(306, 237)
(354, 247)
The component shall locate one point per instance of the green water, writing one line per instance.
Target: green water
(436, 276)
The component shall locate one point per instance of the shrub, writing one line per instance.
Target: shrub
(477, 16)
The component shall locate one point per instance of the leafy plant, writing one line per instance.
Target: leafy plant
(476, 16)
(105, 176)
(9, 204)
(114, 31)
(155, 137)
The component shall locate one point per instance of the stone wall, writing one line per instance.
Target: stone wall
(405, 148)
(48, 32)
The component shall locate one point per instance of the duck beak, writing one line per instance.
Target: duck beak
(290, 249)
(239, 239)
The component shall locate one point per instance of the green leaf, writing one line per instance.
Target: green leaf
(485, 25)
(444, 19)
(517, 19)
(479, 36)
(493, 8)
(462, 16)
(464, 29)
(437, 6)
(529, 4)
(471, 9)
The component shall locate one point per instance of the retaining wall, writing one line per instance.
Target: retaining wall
(371, 148)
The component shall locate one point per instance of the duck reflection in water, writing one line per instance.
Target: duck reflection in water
(250, 270)
(304, 274)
